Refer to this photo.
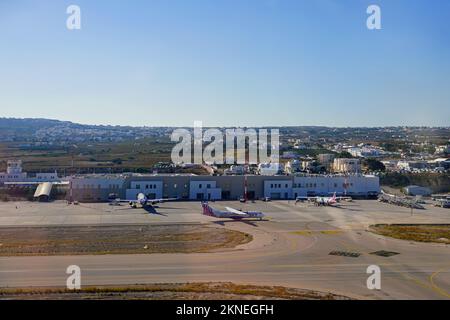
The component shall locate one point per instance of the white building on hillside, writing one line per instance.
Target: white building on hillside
(293, 166)
(270, 169)
(344, 165)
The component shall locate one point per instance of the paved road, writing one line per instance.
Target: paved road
(291, 249)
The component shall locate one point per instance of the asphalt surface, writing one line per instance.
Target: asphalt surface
(291, 248)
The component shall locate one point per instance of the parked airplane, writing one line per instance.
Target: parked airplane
(324, 201)
(143, 201)
(230, 213)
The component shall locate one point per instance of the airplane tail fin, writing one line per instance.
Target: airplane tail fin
(207, 210)
(334, 196)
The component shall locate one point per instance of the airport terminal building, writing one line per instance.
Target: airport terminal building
(92, 188)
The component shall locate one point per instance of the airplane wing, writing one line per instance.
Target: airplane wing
(235, 211)
(161, 200)
(344, 198)
(124, 200)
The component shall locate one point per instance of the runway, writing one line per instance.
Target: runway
(291, 249)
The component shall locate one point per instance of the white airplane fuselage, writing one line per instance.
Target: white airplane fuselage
(326, 201)
(141, 200)
(209, 211)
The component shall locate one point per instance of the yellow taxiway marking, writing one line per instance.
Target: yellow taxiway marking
(308, 231)
(435, 286)
(302, 232)
(331, 232)
(404, 274)
(432, 286)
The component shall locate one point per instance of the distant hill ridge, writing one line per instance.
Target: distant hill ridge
(36, 123)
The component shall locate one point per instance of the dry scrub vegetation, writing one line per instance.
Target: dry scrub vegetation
(121, 239)
(439, 233)
(176, 291)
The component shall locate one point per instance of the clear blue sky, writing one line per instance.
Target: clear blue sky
(227, 62)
